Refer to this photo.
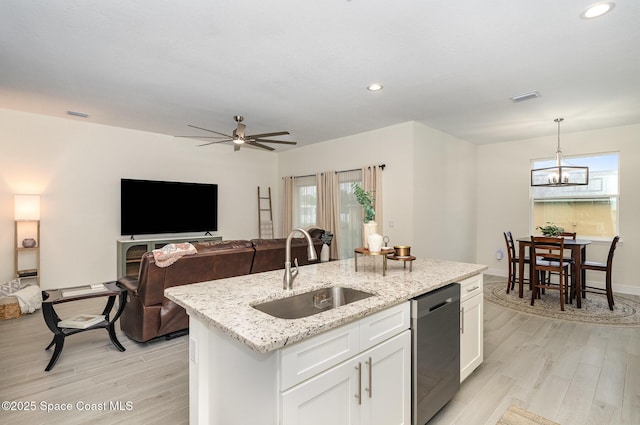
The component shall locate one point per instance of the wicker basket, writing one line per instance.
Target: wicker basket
(9, 308)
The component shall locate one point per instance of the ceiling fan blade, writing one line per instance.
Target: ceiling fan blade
(282, 142)
(277, 133)
(205, 137)
(217, 141)
(211, 131)
(258, 145)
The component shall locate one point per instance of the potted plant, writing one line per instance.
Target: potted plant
(326, 238)
(550, 230)
(366, 199)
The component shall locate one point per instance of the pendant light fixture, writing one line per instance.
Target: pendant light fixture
(560, 175)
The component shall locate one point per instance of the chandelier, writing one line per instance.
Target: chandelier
(560, 175)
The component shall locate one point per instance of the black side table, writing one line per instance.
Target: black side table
(57, 296)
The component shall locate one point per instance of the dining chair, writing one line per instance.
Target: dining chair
(514, 261)
(602, 267)
(547, 255)
(569, 259)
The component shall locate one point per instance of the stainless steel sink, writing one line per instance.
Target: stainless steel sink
(311, 303)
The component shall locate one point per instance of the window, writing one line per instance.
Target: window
(350, 213)
(591, 211)
(306, 202)
(349, 228)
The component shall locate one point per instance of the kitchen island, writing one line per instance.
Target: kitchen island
(240, 357)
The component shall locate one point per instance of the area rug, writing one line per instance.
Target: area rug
(517, 416)
(595, 310)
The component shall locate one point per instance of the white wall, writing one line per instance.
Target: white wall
(76, 166)
(444, 195)
(503, 196)
(428, 184)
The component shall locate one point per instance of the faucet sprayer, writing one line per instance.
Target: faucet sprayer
(289, 275)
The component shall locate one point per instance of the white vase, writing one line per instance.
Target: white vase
(375, 242)
(368, 229)
(324, 253)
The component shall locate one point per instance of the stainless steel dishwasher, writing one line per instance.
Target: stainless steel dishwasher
(435, 345)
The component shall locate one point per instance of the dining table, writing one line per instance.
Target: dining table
(578, 249)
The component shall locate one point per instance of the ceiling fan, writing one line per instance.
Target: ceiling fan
(238, 137)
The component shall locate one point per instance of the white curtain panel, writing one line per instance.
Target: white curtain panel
(328, 214)
(349, 229)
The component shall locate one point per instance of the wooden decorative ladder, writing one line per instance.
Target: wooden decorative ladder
(265, 215)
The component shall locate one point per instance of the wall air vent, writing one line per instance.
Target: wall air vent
(525, 96)
(78, 114)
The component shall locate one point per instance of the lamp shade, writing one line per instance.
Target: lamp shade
(562, 175)
(27, 207)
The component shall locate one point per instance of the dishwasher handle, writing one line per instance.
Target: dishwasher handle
(442, 304)
(431, 302)
(433, 309)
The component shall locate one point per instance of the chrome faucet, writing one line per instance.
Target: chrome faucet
(289, 275)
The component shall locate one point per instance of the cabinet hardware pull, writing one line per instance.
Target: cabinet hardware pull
(370, 389)
(462, 320)
(359, 395)
(473, 289)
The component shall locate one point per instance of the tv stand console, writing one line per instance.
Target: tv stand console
(130, 251)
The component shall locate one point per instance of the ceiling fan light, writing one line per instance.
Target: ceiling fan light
(238, 141)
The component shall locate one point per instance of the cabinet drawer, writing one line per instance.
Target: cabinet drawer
(316, 354)
(384, 325)
(470, 287)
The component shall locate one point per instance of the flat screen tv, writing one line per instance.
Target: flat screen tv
(154, 207)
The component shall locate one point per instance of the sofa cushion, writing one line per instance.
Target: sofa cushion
(214, 260)
(270, 253)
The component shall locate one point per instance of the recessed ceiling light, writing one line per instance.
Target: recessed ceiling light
(375, 87)
(78, 114)
(597, 10)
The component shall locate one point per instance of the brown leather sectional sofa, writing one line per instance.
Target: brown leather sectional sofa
(149, 314)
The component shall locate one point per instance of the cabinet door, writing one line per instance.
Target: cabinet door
(471, 335)
(374, 388)
(328, 398)
(387, 382)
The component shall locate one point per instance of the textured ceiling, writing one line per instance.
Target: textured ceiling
(303, 66)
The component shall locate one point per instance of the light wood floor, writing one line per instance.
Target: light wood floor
(567, 372)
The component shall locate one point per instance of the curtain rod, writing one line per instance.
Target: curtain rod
(344, 171)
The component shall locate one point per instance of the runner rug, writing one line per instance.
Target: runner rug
(517, 416)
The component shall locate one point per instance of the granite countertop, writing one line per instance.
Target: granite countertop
(226, 303)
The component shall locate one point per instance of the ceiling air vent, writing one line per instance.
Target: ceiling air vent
(525, 96)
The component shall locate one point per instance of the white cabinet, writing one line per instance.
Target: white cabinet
(471, 325)
(387, 372)
(358, 373)
(371, 388)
